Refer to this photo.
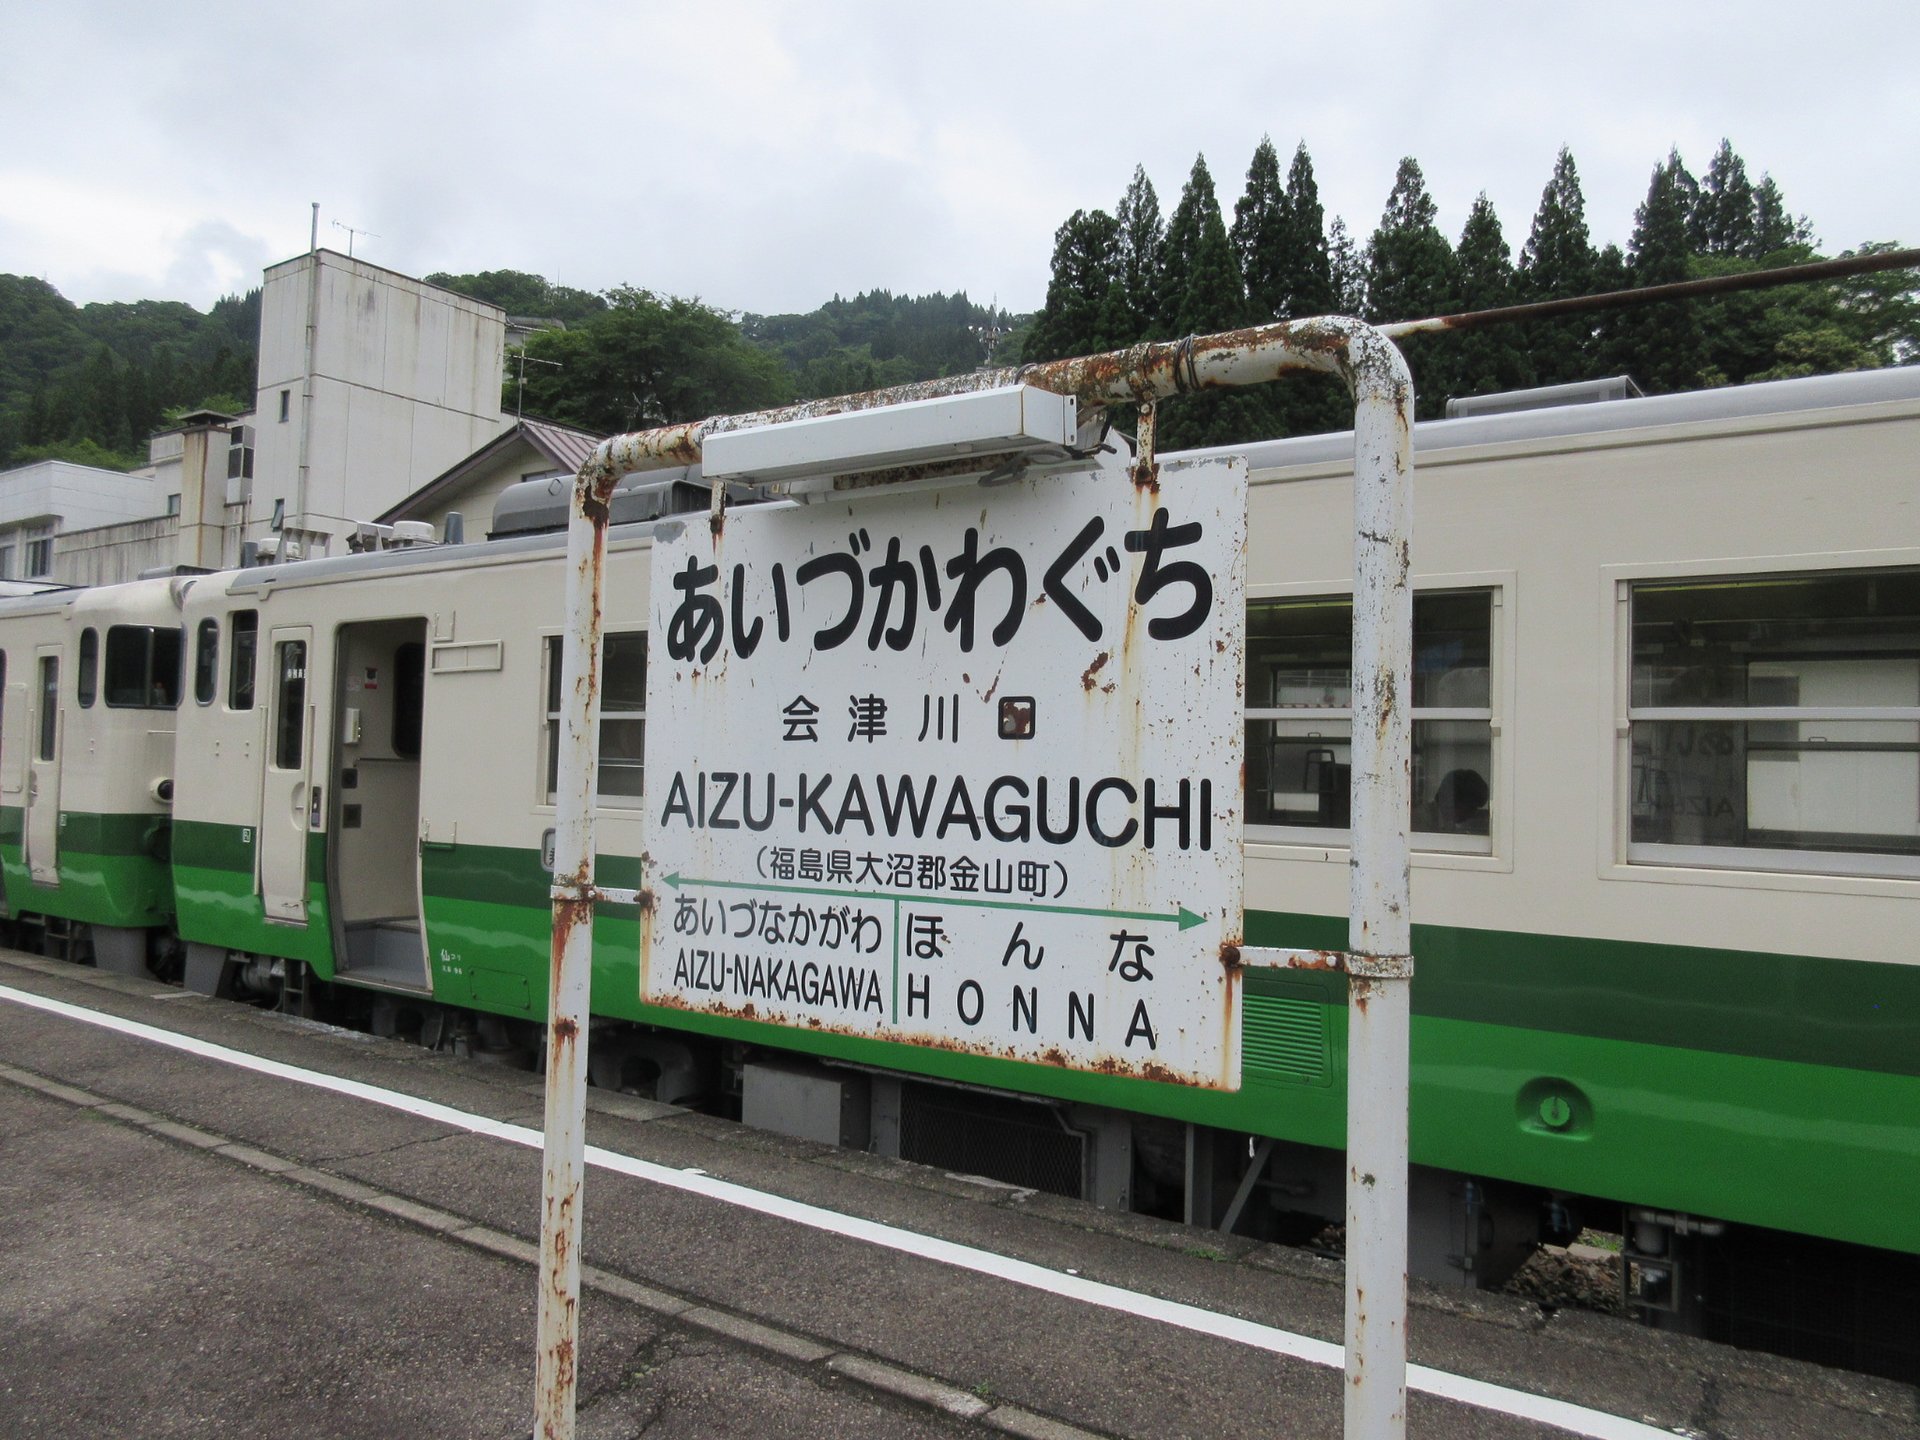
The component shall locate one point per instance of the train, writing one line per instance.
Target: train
(1666, 849)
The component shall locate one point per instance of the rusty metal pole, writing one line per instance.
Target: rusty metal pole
(564, 1169)
(1379, 962)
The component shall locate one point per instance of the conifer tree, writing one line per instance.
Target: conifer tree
(1558, 262)
(1660, 344)
(1084, 266)
(1202, 293)
(1261, 238)
(1309, 404)
(1261, 233)
(1410, 275)
(1774, 229)
(1492, 359)
(1724, 211)
(1347, 269)
(1139, 258)
(1310, 288)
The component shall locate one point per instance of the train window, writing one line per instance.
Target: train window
(246, 643)
(1776, 719)
(143, 666)
(623, 716)
(206, 662)
(1300, 716)
(87, 680)
(409, 692)
(49, 705)
(290, 671)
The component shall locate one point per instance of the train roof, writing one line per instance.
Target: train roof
(1563, 422)
(1431, 438)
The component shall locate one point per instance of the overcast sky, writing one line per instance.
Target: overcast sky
(764, 157)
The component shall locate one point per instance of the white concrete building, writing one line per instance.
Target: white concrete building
(370, 385)
(51, 498)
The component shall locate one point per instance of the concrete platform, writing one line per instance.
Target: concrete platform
(196, 1242)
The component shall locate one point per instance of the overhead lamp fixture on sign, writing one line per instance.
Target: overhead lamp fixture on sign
(998, 433)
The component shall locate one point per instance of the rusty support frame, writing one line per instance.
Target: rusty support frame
(1382, 387)
(563, 1170)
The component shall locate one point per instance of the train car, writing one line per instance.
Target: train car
(387, 836)
(1666, 813)
(1666, 820)
(92, 684)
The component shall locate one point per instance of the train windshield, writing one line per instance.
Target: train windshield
(143, 666)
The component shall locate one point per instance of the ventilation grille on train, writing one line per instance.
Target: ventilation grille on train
(1284, 1037)
(1000, 1139)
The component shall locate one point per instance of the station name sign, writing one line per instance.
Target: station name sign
(958, 768)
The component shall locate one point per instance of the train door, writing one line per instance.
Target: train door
(373, 884)
(287, 809)
(43, 770)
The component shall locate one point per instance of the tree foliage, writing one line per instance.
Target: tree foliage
(1202, 293)
(1085, 266)
(878, 339)
(1557, 262)
(650, 360)
(1493, 359)
(1659, 345)
(1411, 273)
(100, 379)
(521, 294)
(1129, 312)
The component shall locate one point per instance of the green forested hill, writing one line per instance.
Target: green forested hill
(92, 382)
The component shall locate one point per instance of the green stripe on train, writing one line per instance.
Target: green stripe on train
(1775, 1090)
(1808, 1009)
(1804, 1009)
(1738, 1137)
(217, 903)
(113, 869)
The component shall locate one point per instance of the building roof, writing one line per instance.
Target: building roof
(566, 447)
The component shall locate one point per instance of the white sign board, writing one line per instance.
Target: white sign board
(958, 768)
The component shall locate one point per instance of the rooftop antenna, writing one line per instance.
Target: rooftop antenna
(521, 360)
(351, 232)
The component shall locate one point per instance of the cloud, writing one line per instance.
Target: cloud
(763, 156)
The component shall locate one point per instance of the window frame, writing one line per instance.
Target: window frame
(37, 558)
(289, 735)
(1622, 857)
(151, 668)
(1430, 849)
(46, 748)
(239, 655)
(86, 670)
(206, 661)
(546, 782)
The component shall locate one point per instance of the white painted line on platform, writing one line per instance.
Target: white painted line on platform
(1481, 1394)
